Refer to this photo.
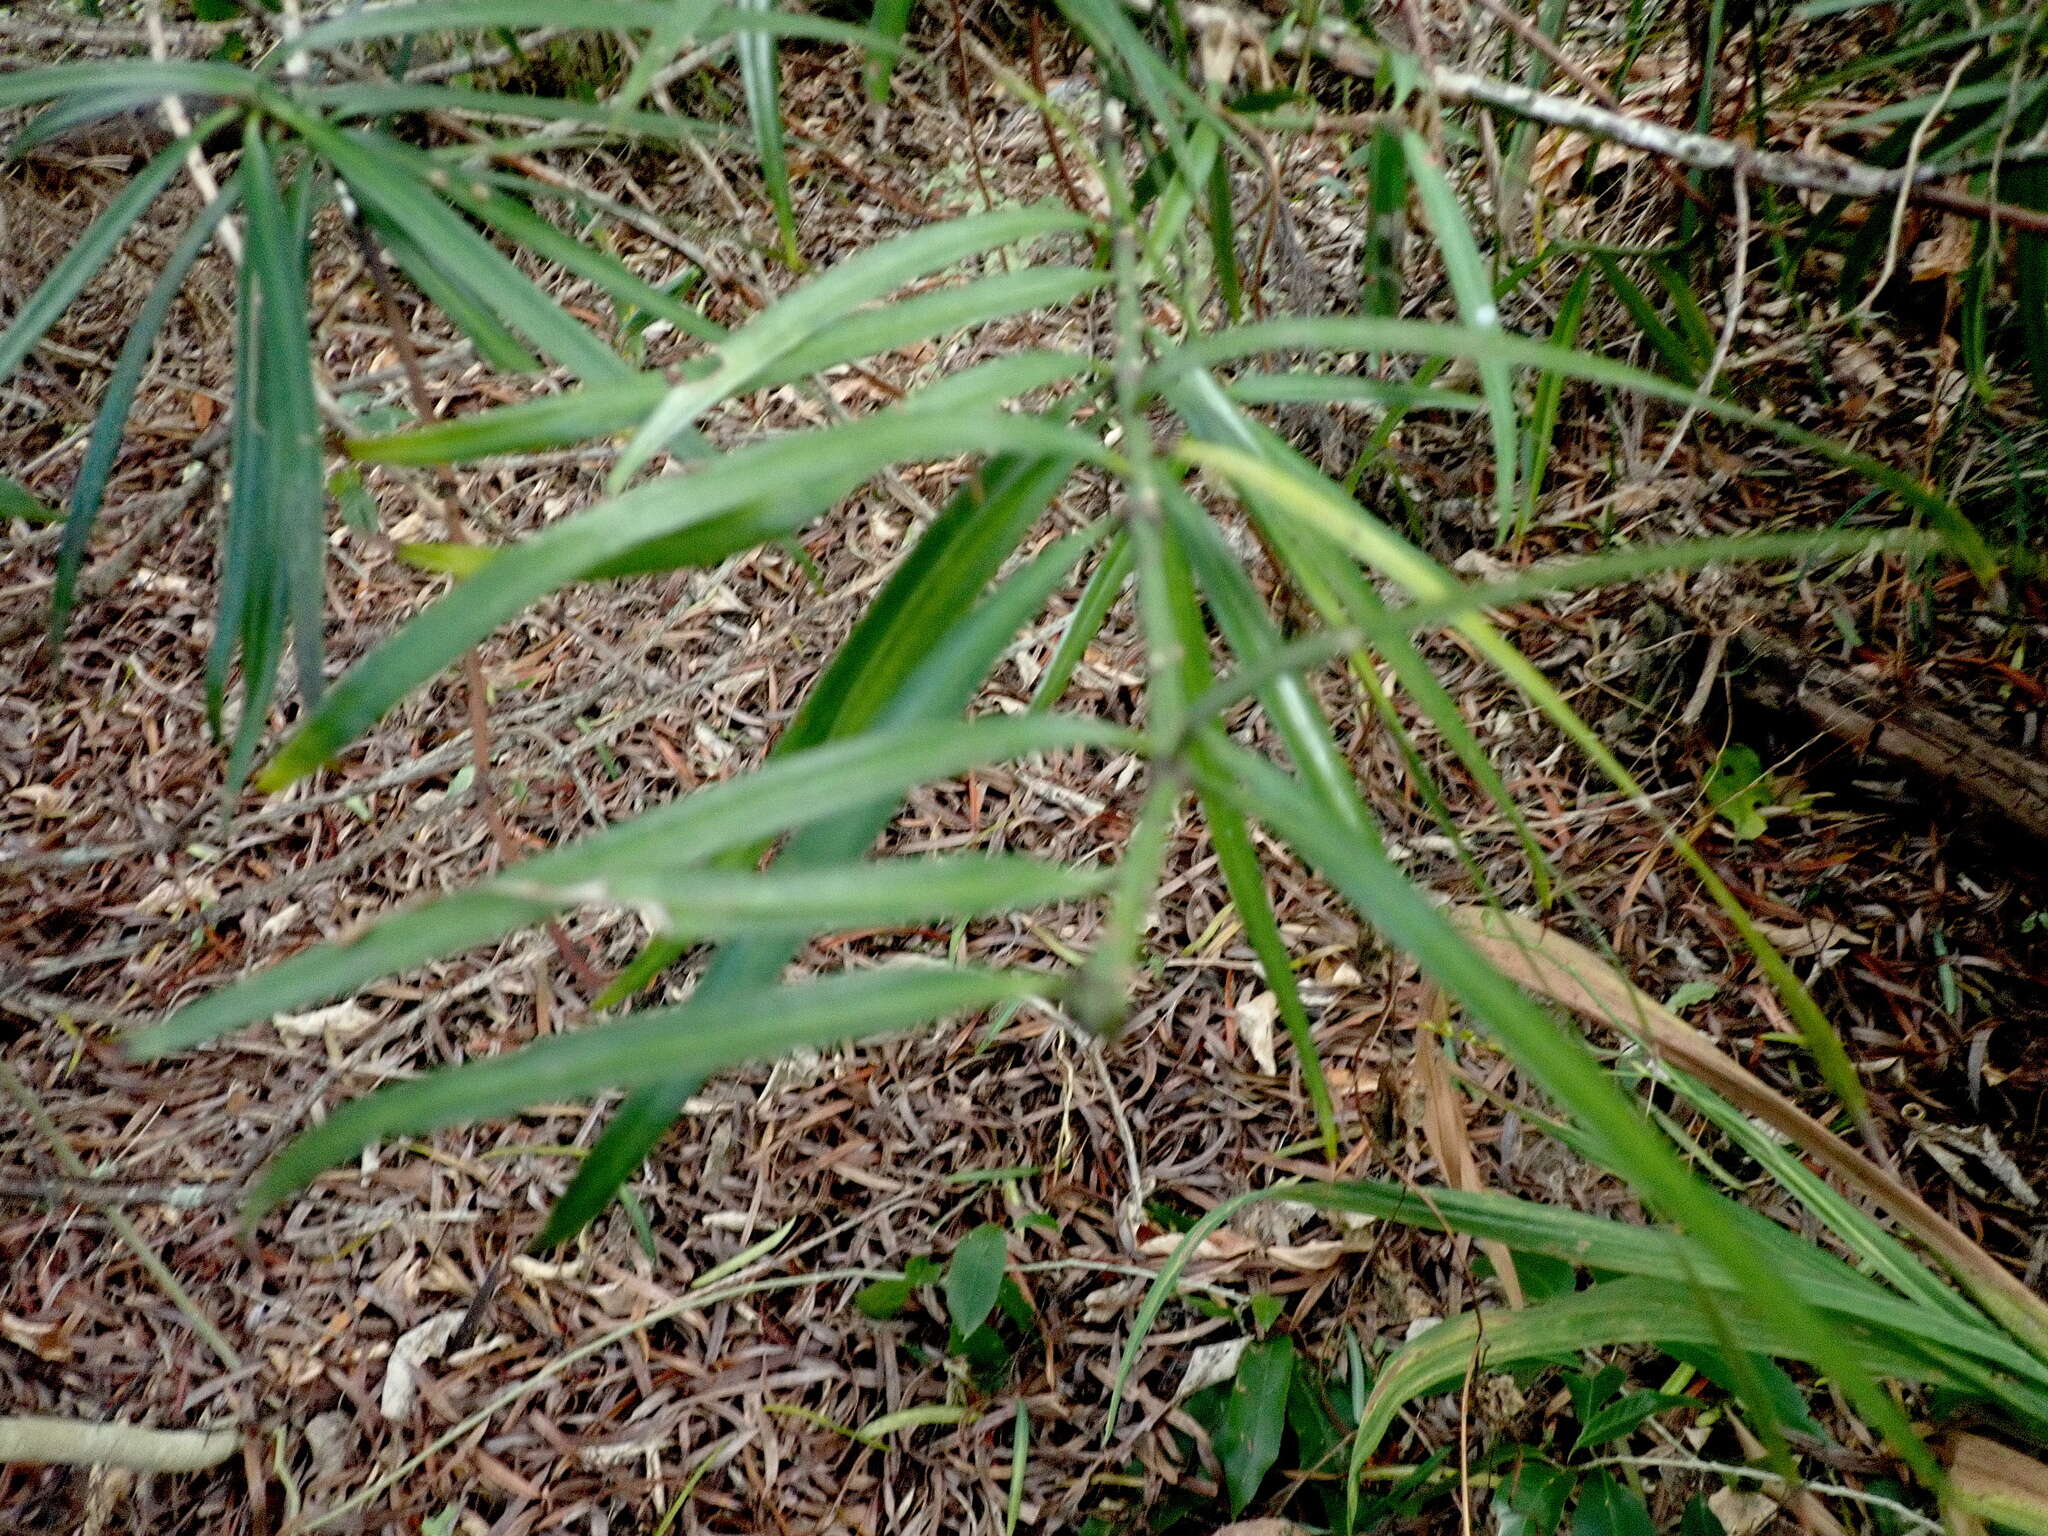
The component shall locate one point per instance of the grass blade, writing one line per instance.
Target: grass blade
(691, 1039)
(761, 75)
(88, 492)
(86, 258)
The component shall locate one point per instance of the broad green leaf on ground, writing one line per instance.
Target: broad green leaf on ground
(974, 1277)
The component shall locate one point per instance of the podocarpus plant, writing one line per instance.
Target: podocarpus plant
(1170, 417)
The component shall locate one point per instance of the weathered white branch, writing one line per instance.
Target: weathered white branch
(1343, 47)
(34, 1440)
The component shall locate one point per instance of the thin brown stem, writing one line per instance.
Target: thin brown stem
(1052, 137)
(475, 687)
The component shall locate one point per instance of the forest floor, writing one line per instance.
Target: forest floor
(390, 1350)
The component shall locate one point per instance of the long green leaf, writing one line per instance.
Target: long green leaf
(927, 598)
(782, 484)
(598, 410)
(130, 77)
(88, 492)
(1473, 287)
(382, 177)
(687, 1039)
(761, 76)
(819, 784)
(1560, 1064)
(1330, 334)
(90, 254)
(699, 904)
(745, 355)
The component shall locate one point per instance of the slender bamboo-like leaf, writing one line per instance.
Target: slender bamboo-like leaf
(578, 415)
(700, 904)
(523, 227)
(783, 483)
(1562, 1066)
(421, 16)
(1550, 394)
(88, 492)
(761, 75)
(889, 19)
(1085, 621)
(930, 689)
(16, 502)
(385, 98)
(380, 174)
(1386, 224)
(816, 785)
(135, 78)
(745, 356)
(1322, 508)
(495, 342)
(1473, 287)
(688, 1039)
(1328, 334)
(293, 487)
(89, 255)
(681, 20)
(598, 410)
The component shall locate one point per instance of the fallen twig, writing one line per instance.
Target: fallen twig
(1343, 47)
(32, 1440)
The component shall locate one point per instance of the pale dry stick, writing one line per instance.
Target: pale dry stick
(1914, 146)
(180, 124)
(38, 1440)
(1738, 281)
(1343, 48)
(18, 1089)
(1584, 78)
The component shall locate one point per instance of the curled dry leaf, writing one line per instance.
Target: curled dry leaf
(1256, 1016)
(415, 1347)
(46, 1341)
(339, 1022)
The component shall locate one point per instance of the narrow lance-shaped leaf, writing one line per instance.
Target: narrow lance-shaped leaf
(748, 352)
(692, 1038)
(760, 74)
(598, 410)
(1473, 286)
(781, 479)
(700, 904)
(89, 255)
(1329, 334)
(928, 597)
(1560, 1064)
(89, 490)
(826, 781)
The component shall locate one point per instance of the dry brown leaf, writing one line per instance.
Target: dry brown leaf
(1996, 1482)
(1740, 1513)
(46, 1341)
(1256, 1016)
(1443, 1127)
(1572, 976)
